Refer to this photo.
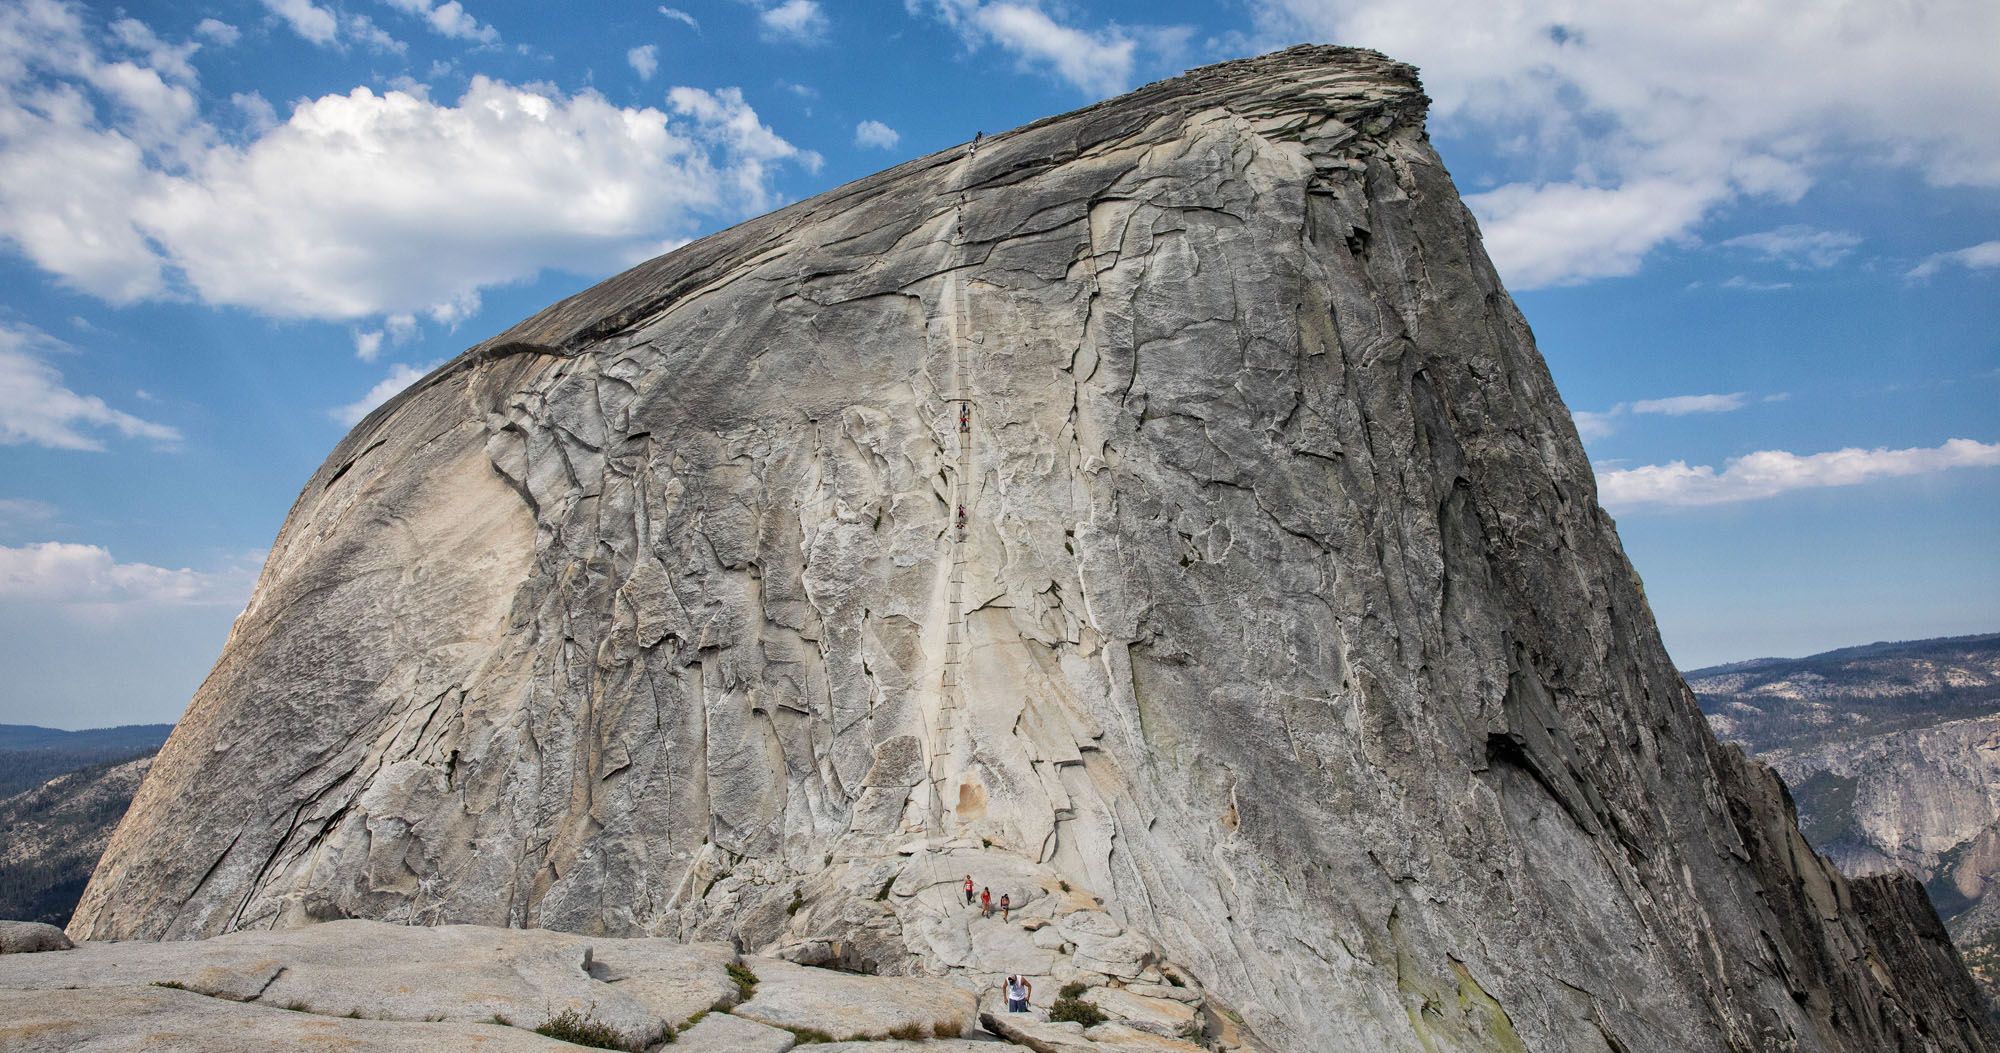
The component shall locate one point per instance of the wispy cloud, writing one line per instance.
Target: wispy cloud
(1767, 473)
(1798, 246)
(86, 579)
(37, 408)
(1599, 424)
(1982, 256)
(1747, 285)
(681, 16)
(1682, 405)
(18, 511)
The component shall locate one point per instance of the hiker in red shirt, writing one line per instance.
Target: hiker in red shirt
(986, 902)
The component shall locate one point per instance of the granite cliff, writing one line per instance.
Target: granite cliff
(1158, 512)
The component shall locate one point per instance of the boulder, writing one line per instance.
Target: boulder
(849, 1006)
(727, 1033)
(163, 1020)
(29, 937)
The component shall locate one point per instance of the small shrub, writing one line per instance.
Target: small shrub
(1175, 979)
(1073, 989)
(1076, 1011)
(746, 981)
(579, 1030)
(908, 1031)
(502, 1020)
(950, 1027)
(809, 1035)
(798, 901)
(695, 1019)
(986, 842)
(886, 886)
(1064, 885)
(298, 1007)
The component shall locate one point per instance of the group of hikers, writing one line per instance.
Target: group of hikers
(1017, 988)
(986, 904)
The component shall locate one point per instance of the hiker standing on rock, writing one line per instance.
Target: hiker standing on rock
(968, 890)
(1006, 901)
(986, 903)
(1018, 990)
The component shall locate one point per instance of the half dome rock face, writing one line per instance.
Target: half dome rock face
(1159, 513)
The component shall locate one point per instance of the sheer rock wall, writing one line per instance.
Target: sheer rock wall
(1283, 640)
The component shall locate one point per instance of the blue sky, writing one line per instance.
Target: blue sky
(1759, 244)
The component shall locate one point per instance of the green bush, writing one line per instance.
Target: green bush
(575, 1028)
(746, 981)
(1076, 1011)
(809, 1035)
(1073, 989)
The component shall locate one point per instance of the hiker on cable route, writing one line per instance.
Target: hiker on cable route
(985, 902)
(968, 890)
(1018, 991)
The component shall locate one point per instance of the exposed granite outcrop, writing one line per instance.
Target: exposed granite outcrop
(1159, 512)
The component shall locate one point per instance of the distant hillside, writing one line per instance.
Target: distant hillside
(51, 836)
(31, 756)
(1892, 754)
(1770, 703)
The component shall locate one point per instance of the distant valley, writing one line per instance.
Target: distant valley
(1892, 754)
(61, 793)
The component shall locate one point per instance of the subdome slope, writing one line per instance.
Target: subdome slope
(1161, 505)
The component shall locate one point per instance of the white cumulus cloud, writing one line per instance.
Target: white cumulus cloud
(354, 205)
(37, 408)
(449, 19)
(221, 33)
(644, 60)
(400, 376)
(800, 21)
(876, 134)
(1627, 125)
(1767, 473)
(1982, 256)
(1097, 62)
(307, 19)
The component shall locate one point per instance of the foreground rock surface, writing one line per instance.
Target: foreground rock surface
(1159, 512)
(366, 985)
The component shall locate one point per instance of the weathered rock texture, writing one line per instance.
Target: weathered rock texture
(1283, 649)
